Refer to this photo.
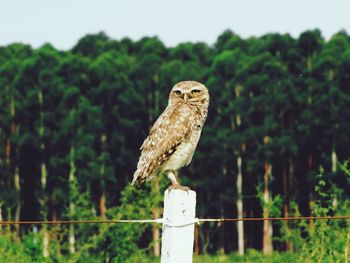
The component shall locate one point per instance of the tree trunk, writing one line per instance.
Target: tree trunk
(155, 227)
(43, 177)
(12, 166)
(18, 197)
(7, 162)
(310, 166)
(286, 190)
(311, 224)
(71, 204)
(46, 239)
(334, 160)
(71, 239)
(221, 241)
(221, 234)
(8, 152)
(239, 183)
(1, 217)
(267, 226)
(239, 204)
(196, 240)
(156, 234)
(103, 208)
(309, 70)
(46, 243)
(291, 176)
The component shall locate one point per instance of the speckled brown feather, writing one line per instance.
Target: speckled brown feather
(171, 129)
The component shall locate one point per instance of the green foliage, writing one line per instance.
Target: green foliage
(119, 241)
(25, 251)
(322, 240)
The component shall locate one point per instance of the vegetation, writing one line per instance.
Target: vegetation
(276, 143)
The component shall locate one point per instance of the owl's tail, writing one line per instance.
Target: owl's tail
(134, 178)
(137, 178)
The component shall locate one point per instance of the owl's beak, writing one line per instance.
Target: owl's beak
(185, 97)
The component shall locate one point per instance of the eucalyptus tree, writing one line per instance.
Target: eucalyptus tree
(10, 65)
(309, 44)
(333, 99)
(266, 83)
(37, 78)
(119, 103)
(226, 99)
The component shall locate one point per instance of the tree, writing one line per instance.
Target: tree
(9, 172)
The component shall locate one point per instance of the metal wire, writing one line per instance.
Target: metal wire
(67, 222)
(161, 221)
(275, 218)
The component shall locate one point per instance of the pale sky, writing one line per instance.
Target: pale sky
(63, 22)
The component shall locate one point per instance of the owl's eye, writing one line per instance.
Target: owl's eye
(195, 91)
(177, 92)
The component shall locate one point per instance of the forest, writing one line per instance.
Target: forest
(275, 144)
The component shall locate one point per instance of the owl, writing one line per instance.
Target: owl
(173, 138)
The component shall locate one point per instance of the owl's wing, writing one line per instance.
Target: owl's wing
(171, 129)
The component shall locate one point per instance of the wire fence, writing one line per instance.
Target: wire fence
(161, 221)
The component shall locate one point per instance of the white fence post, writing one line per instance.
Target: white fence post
(178, 226)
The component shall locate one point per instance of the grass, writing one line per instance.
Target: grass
(250, 257)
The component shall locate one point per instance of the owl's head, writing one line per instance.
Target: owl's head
(190, 92)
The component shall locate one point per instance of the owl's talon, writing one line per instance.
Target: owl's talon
(178, 186)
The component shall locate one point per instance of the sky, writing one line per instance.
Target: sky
(63, 22)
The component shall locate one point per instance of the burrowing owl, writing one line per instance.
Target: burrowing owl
(174, 136)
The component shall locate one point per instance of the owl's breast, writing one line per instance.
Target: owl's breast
(183, 154)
